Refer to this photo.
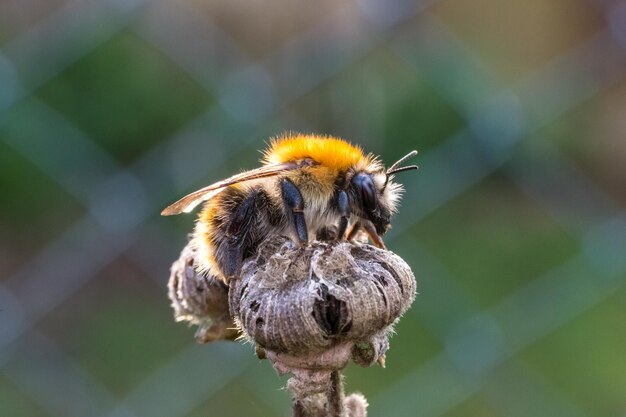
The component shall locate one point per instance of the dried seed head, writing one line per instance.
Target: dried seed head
(299, 301)
(308, 310)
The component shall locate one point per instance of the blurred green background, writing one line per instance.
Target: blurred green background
(514, 225)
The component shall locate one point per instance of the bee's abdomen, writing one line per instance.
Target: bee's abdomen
(232, 225)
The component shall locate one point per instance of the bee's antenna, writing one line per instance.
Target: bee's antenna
(395, 167)
(406, 168)
(400, 161)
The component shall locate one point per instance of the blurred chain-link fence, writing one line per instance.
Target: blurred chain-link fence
(514, 225)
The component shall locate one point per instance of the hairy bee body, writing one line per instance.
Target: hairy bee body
(308, 185)
(212, 234)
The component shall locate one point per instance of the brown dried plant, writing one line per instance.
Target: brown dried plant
(309, 310)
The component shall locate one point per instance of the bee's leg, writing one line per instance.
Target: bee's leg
(343, 206)
(354, 230)
(293, 201)
(236, 242)
(374, 237)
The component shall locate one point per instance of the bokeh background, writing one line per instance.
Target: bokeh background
(514, 225)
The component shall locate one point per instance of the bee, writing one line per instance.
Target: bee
(308, 186)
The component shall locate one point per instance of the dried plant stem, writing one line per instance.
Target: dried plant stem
(336, 395)
(329, 403)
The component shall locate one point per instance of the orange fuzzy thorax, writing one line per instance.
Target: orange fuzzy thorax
(334, 153)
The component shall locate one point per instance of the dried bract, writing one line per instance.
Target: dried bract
(200, 299)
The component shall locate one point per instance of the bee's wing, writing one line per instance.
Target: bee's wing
(190, 201)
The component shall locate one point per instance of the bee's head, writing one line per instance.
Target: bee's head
(376, 195)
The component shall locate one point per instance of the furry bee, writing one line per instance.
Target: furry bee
(308, 186)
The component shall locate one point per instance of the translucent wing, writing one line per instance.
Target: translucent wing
(191, 201)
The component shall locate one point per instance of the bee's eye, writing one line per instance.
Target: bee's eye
(365, 189)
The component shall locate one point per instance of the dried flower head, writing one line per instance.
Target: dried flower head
(309, 310)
